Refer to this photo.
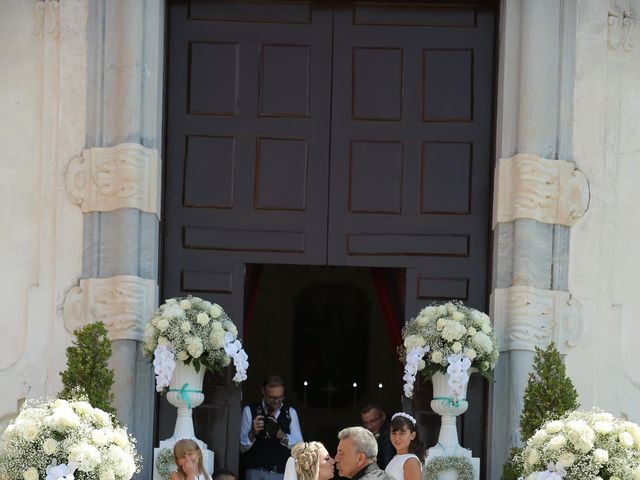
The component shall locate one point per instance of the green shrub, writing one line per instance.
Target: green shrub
(549, 394)
(87, 370)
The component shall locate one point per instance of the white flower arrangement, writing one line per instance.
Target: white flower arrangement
(581, 445)
(194, 331)
(448, 338)
(461, 465)
(60, 439)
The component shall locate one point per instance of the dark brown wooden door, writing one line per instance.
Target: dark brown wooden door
(325, 133)
(246, 171)
(411, 144)
(410, 182)
(248, 135)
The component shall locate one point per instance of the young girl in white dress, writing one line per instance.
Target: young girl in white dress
(188, 458)
(407, 464)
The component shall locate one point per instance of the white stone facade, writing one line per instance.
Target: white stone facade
(605, 246)
(587, 75)
(43, 97)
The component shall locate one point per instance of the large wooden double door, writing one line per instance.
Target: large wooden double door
(326, 133)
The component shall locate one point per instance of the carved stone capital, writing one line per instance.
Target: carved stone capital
(549, 191)
(123, 176)
(527, 317)
(123, 303)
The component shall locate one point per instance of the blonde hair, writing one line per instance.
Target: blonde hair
(307, 459)
(181, 448)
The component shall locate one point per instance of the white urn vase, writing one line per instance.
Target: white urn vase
(449, 408)
(185, 393)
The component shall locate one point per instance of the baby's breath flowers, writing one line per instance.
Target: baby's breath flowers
(443, 336)
(60, 439)
(583, 445)
(193, 331)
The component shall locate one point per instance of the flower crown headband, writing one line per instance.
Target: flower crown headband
(405, 415)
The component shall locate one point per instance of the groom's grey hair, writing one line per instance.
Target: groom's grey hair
(363, 441)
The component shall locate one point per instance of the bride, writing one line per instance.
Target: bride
(309, 461)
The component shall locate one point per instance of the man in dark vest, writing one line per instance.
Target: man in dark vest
(268, 431)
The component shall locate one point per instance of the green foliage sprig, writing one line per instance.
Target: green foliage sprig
(512, 469)
(87, 367)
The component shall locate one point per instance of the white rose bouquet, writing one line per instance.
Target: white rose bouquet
(448, 338)
(583, 445)
(60, 439)
(193, 331)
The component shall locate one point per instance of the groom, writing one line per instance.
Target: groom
(356, 455)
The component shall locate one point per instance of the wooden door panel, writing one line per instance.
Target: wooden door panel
(248, 139)
(411, 129)
(246, 171)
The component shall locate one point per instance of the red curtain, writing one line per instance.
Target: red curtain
(252, 285)
(389, 297)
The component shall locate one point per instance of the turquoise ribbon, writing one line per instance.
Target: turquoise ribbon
(450, 401)
(183, 393)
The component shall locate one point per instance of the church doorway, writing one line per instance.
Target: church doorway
(309, 137)
(324, 330)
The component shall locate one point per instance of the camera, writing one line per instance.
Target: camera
(271, 427)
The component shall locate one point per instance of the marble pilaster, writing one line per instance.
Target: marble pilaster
(116, 183)
(532, 216)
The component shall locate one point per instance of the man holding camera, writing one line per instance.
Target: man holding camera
(268, 431)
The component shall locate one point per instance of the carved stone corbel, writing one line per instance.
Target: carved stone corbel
(621, 19)
(549, 191)
(123, 303)
(106, 179)
(528, 317)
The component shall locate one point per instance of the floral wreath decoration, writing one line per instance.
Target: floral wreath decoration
(164, 463)
(461, 465)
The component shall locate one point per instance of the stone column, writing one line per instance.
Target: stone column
(116, 182)
(536, 199)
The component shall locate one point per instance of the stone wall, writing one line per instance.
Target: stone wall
(43, 115)
(605, 243)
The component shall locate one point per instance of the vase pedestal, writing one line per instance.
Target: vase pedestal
(185, 393)
(449, 409)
